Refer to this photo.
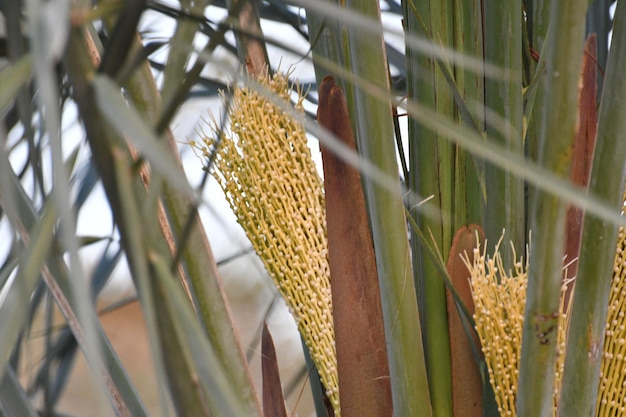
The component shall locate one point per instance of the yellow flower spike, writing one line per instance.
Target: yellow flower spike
(499, 296)
(265, 168)
(612, 389)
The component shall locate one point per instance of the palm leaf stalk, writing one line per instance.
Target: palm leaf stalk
(431, 160)
(441, 168)
(548, 213)
(372, 117)
(596, 262)
(361, 54)
(504, 208)
(202, 280)
(469, 389)
(537, 23)
(180, 55)
(179, 222)
(110, 148)
(469, 180)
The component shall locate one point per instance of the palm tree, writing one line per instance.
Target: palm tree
(500, 134)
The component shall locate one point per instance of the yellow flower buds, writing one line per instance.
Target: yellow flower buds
(612, 390)
(499, 298)
(263, 164)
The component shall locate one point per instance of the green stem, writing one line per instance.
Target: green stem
(503, 98)
(181, 49)
(374, 127)
(597, 251)
(199, 262)
(202, 274)
(547, 221)
(438, 168)
(469, 176)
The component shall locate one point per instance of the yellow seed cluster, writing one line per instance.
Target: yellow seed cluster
(612, 389)
(499, 296)
(265, 168)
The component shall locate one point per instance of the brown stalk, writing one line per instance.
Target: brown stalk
(251, 48)
(273, 400)
(364, 386)
(467, 395)
(583, 150)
